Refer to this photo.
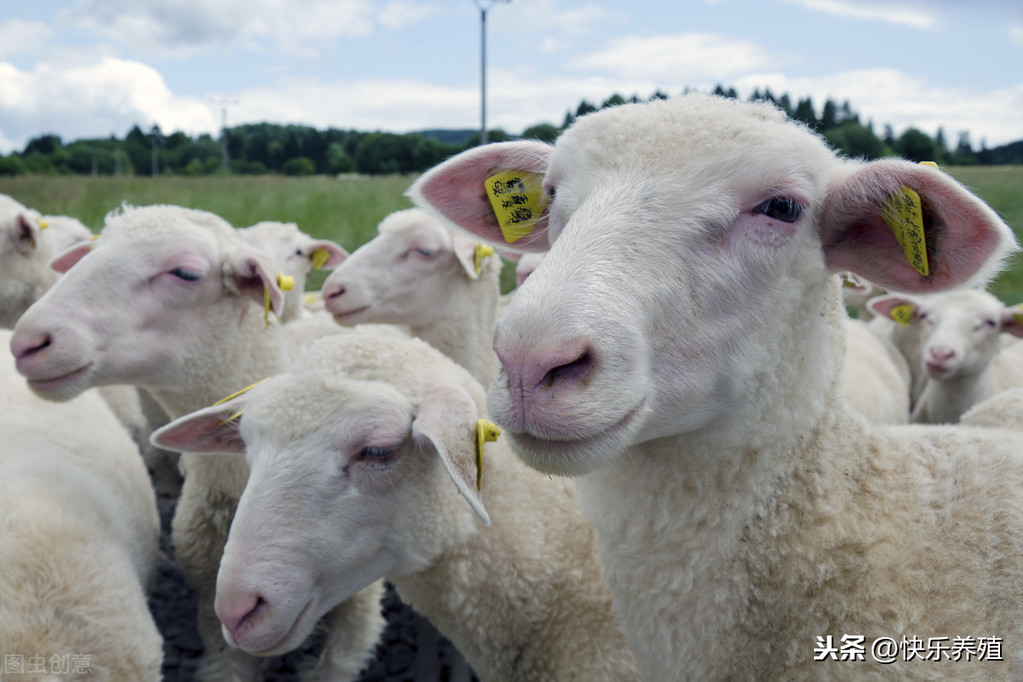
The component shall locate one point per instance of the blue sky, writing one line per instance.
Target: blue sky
(94, 68)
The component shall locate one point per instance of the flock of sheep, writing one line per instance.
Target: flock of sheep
(705, 469)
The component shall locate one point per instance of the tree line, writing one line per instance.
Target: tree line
(302, 150)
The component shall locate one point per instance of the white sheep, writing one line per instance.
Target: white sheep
(875, 375)
(417, 273)
(294, 253)
(857, 292)
(353, 453)
(78, 539)
(748, 521)
(961, 357)
(27, 242)
(172, 300)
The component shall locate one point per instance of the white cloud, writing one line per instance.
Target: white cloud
(19, 37)
(538, 17)
(98, 99)
(913, 16)
(891, 97)
(679, 58)
(295, 28)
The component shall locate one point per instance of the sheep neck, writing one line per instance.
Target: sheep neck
(944, 402)
(240, 352)
(505, 567)
(715, 484)
(463, 328)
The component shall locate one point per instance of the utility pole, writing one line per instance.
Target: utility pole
(223, 103)
(484, 5)
(155, 135)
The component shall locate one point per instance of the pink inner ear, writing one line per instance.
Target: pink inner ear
(63, 261)
(202, 432)
(337, 254)
(965, 238)
(455, 189)
(882, 305)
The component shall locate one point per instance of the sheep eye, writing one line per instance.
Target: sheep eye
(991, 323)
(379, 454)
(187, 275)
(552, 192)
(425, 252)
(780, 208)
(298, 252)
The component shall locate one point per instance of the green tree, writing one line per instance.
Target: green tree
(298, 166)
(12, 165)
(916, 145)
(805, 112)
(613, 101)
(545, 132)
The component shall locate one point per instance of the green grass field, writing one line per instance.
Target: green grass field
(348, 210)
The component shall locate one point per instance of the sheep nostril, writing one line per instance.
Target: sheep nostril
(570, 371)
(31, 347)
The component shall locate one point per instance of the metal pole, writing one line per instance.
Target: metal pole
(483, 75)
(223, 138)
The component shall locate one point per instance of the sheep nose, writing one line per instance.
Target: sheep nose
(28, 343)
(239, 610)
(333, 291)
(942, 353)
(540, 369)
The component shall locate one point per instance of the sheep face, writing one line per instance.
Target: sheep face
(959, 331)
(350, 481)
(138, 301)
(672, 227)
(294, 253)
(399, 276)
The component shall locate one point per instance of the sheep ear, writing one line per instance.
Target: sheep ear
(249, 275)
(325, 254)
(212, 430)
(1012, 320)
(909, 227)
(901, 309)
(470, 254)
(447, 419)
(26, 233)
(64, 260)
(469, 188)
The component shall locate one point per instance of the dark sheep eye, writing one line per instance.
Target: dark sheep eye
(184, 274)
(379, 453)
(780, 208)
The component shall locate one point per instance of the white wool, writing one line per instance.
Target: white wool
(172, 300)
(363, 467)
(742, 509)
(78, 535)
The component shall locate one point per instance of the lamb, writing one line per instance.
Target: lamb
(78, 539)
(294, 253)
(416, 273)
(186, 313)
(523, 598)
(748, 521)
(25, 248)
(960, 351)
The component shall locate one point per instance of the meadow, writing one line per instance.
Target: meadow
(347, 209)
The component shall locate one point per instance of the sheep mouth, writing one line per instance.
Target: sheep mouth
(287, 641)
(349, 313)
(575, 455)
(54, 383)
(938, 371)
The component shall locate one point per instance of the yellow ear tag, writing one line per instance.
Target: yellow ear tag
(310, 299)
(285, 282)
(1017, 313)
(43, 224)
(92, 239)
(902, 314)
(929, 163)
(846, 282)
(518, 201)
(235, 395)
(486, 432)
(901, 211)
(482, 251)
(320, 258)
